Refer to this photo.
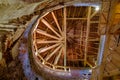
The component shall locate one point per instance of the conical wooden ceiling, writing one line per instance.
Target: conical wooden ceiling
(68, 37)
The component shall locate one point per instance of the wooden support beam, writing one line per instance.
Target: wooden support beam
(41, 50)
(58, 56)
(89, 64)
(38, 41)
(50, 27)
(76, 18)
(46, 34)
(41, 58)
(56, 21)
(65, 25)
(87, 35)
(93, 14)
(51, 54)
(105, 36)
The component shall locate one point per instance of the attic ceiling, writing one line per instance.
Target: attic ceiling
(68, 37)
(67, 34)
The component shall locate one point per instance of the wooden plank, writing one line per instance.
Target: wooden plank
(38, 41)
(50, 27)
(51, 54)
(58, 56)
(56, 21)
(46, 34)
(41, 50)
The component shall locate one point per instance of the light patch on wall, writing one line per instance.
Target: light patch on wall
(97, 8)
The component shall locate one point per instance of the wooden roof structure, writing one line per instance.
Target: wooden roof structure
(68, 34)
(68, 37)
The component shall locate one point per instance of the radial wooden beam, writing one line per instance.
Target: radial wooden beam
(87, 35)
(58, 56)
(41, 50)
(50, 27)
(56, 21)
(45, 42)
(51, 54)
(46, 34)
(65, 25)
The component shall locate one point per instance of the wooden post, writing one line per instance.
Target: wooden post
(65, 25)
(87, 35)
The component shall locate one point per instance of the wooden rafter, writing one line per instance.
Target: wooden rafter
(46, 34)
(58, 56)
(51, 54)
(65, 25)
(87, 35)
(41, 50)
(56, 21)
(54, 42)
(38, 41)
(89, 64)
(50, 27)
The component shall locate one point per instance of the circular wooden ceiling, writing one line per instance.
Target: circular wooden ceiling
(67, 38)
